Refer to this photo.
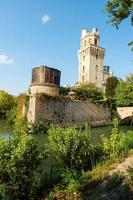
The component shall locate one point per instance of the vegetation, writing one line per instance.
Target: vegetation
(78, 163)
(64, 91)
(20, 159)
(62, 145)
(7, 102)
(119, 10)
(71, 149)
(111, 84)
(40, 127)
(124, 93)
(88, 91)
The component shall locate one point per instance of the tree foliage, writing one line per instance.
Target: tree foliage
(124, 93)
(64, 91)
(19, 161)
(129, 78)
(111, 84)
(7, 101)
(88, 91)
(118, 10)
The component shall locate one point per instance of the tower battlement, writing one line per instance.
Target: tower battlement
(91, 58)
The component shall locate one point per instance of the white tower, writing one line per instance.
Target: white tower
(91, 57)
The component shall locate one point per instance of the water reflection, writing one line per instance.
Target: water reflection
(5, 129)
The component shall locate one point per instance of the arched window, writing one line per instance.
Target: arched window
(82, 78)
(96, 68)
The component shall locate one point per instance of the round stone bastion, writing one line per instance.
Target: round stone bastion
(45, 80)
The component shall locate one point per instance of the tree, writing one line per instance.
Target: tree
(129, 78)
(88, 91)
(64, 91)
(124, 93)
(119, 10)
(7, 101)
(19, 161)
(111, 84)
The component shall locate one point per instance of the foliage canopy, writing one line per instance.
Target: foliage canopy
(88, 91)
(111, 84)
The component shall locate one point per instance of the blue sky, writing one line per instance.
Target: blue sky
(37, 32)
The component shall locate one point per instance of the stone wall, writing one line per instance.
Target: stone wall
(66, 112)
(48, 89)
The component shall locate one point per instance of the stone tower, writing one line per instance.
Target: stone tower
(91, 57)
(45, 80)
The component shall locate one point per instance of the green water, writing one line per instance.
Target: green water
(6, 131)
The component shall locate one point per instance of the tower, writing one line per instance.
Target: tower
(45, 80)
(91, 57)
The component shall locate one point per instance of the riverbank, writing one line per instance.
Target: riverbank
(77, 163)
(105, 182)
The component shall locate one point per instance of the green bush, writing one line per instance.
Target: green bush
(40, 127)
(21, 126)
(64, 91)
(88, 91)
(20, 159)
(71, 179)
(126, 141)
(71, 149)
(7, 102)
(3, 195)
(113, 181)
(11, 115)
(130, 175)
(111, 145)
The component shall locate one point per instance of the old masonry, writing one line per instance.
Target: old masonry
(45, 102)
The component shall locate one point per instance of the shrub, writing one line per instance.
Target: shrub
(7, 101)
(70, 148)
(111, 146)
(71, 179)
(126, 141)
(115, 180)
(3, 195)
(88, 91)
(21, 126)
(40, 127)
(20, 159)
(130, 175)
(64, 91)
(11, 115)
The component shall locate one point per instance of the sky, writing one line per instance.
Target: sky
(47, 32)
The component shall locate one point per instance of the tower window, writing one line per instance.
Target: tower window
(97, 52)
(85, 43)
(96, 67)
(83, 69)
(82, 78)
(95, 41)
(83, 58)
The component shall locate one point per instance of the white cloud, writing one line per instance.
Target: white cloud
(45, 19)
(4, 59)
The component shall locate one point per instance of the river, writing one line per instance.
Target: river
(6, 131)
